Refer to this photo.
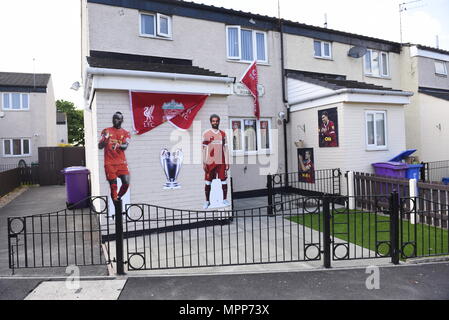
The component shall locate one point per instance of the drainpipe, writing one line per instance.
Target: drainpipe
(285, 101)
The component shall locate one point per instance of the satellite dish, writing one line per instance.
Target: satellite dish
(357, 52)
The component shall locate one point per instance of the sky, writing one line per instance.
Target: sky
(46, 36)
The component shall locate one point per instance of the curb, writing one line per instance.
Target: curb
(427, 260)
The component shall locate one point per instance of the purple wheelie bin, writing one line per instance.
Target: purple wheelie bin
(391, 169)
(77, 186)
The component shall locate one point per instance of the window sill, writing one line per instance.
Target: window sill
(254, 153)
(155, 37)
(323, 58)
(249, 62)
(377, 149)
(378, 77)
(441, 75)
(19, 156)
(15, 110)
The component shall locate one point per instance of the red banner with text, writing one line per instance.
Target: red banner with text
(153, 109)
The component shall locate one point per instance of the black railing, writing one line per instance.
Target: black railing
(62, 238)
(435, 171)
(281, 187)
(327, 228)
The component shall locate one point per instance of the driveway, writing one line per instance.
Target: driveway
(34, 201)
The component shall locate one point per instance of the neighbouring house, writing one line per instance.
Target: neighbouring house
(366, 121)
(61, 128)
(28, 116)
(425, 72)
(179, 47)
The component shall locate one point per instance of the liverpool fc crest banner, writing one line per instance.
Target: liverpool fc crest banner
(153, 109)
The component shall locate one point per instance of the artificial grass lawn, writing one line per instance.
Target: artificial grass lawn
(362, 232)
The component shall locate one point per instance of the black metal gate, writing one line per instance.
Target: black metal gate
(146, 237)
(61, 238)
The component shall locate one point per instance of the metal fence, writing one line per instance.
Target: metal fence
(283, 187)
(322, 229)
(58, 239)
(435, 171)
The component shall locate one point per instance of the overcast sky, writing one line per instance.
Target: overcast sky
(49, 30)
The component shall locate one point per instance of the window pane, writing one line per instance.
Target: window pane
(440, 68)
(264, 135)
(384, 64)
(236, 135)
(7, 144)
(6, 101)
(370, 128)
(17, 147)
(250, 135)
(163, 25)
(247, 45)
(26, 146)
(317, 46)
(25, 101)
(15, 100)
(260, 37)
(327, 50)
(233, 42)
(375, 63)
(147, 24)
(380, 129)
(368, 62)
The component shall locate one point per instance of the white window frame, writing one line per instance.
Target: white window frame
(259, 150)
(329, 57)
(374, 146)
(10, 108)
(254, 44)
(157, 32)
(381, 62)
(444, 67)
(12, 155)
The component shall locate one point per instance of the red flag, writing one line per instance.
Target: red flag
(153, 109)
(250, 80)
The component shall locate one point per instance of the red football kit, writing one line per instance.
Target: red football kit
(214, 141)
(115, 164)
(329, 136)
(309, 175)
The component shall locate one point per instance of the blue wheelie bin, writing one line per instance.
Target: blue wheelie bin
(413, 170)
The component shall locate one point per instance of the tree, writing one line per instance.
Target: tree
(75, 122)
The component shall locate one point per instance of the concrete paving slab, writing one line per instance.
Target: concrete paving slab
(87, 290)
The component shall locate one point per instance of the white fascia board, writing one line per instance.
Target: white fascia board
(416, 52)
(161, 85)
(345, 95)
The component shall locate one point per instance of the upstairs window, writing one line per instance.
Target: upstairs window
(322, 49)
(155, 25)
(246, 45)
(440, 68)
(16, 101)
(376, 63)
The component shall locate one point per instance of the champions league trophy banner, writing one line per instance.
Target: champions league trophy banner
(171, 164)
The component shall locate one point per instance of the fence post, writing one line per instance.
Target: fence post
(413, 185)
(326, 233)
(119, 237)
(351, 190)
(394, 227)
(423, 171)
(270, 193)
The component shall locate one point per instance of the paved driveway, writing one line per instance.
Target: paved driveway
(36, 200)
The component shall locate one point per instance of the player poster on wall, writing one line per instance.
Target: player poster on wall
(328, 128)
(306, 167)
